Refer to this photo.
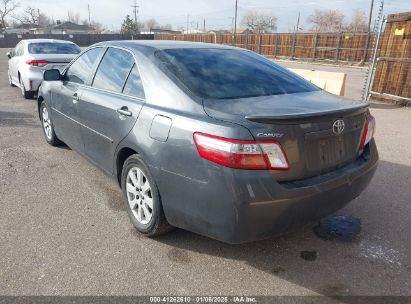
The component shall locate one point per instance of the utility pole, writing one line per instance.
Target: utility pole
(370, 15)
(204, 26)
(135, 10)
(89, 19)
(188, 21)
(367, 42)
(298, 22)
(38, 18)
(295, 36)
(235, 21)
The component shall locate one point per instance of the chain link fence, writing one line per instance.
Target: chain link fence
(392, 67)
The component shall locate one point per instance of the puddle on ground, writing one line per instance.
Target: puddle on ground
(308, 255)
(340, 227)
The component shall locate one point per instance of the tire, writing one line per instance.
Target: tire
(10, 81)
(136, 179)
(26, 94)
(48, 128)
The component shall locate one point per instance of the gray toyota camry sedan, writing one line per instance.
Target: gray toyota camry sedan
(212, 139)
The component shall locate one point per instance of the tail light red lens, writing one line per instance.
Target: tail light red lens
(368, 132)
(39, 63)
(241, 154)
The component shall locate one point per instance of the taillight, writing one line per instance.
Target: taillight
(241, 154)
(39, 63)
(368, 132)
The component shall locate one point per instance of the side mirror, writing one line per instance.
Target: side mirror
(52, 75)
(9, 54)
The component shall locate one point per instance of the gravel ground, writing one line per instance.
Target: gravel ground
(64, 230)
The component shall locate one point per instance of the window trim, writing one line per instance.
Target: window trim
(101, 60)
(118, 93)
(128, 76)
(87, 82)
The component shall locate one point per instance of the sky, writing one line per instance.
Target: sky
(217, 13)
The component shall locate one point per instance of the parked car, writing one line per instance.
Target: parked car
(212, 139)
(32, 57)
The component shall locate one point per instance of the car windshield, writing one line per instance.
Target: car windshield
(53, 48)
(229, 74)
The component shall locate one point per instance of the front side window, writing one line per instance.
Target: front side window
(53, 48)
(113, 70)
(134, 86)
(229, 74)
(80, 70)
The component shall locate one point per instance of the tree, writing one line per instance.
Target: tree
(129, 26)
(358, 22)
(151, 23)
(6, 8)
(168, 27)
(97, 27)
(73, 17)
(326, 20)
(33, 16)
(259, 22)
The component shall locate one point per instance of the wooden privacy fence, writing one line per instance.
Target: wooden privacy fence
(348, 47)
(393, 69)
(10, 40)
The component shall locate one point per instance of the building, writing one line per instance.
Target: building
(69, 27)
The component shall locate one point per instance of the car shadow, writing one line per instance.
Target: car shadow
(331, 268)
(17, 119)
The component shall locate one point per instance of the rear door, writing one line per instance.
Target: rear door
(67, 94)
(110, 107)
(15, 61)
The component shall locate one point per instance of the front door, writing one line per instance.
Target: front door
(66, 96)
(110, 107)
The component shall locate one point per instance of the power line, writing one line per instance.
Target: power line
(135, 10)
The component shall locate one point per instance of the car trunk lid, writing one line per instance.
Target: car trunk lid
(55, 61)
(304, 124)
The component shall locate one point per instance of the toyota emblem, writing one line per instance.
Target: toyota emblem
(338, 126)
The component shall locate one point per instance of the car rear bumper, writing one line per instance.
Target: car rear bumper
(240, 205)
(32, 79)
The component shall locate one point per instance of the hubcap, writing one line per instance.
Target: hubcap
(139, 195)
(46, 123)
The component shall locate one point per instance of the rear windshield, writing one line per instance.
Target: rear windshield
(53, 48)
(230, 74)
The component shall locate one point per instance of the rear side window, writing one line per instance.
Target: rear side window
(113, 70)
(229, 74)
(134, 86)
(53, 48)
(80, 70)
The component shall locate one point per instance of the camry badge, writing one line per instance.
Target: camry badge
(338, 126)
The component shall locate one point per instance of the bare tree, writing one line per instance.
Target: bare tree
(73, 17)
(33, 16)
(151, 23)
(97, 27)
(6, 8)
(260, 23)
(358, 22)
(166, 27)
(326, 20)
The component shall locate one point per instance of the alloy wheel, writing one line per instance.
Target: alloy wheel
(139, 195)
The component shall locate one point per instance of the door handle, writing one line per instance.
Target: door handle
(75, 98)
(124, 111)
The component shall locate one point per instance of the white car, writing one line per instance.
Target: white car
(31, 57)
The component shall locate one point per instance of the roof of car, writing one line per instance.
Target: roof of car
(47, 40)
(152, 45)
